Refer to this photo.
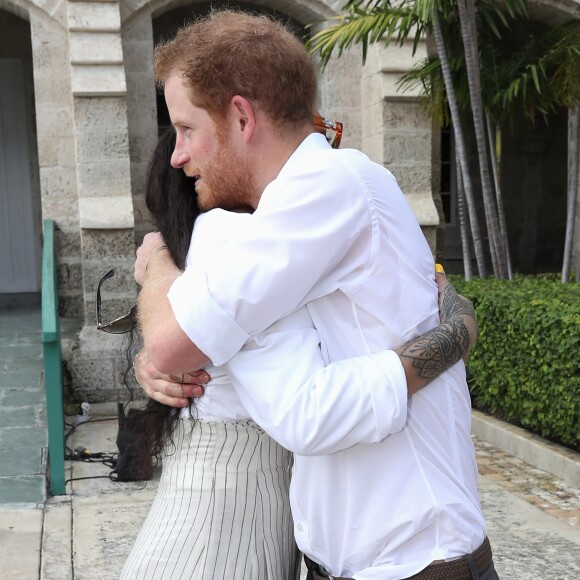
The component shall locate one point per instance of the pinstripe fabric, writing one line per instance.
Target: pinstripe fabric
(221, 509)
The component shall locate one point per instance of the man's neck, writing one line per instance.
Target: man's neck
(271, 154)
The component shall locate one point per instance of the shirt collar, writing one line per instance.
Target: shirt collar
(313, 143)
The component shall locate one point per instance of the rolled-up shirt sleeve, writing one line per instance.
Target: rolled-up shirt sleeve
(223, 337)
(310, 235)
(311, 409)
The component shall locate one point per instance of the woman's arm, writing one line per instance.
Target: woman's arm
(426, 357)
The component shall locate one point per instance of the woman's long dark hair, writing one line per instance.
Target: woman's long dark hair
(172, 201)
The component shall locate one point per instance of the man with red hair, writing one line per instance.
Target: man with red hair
(330, 230)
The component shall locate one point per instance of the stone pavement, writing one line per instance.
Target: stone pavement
(532, 518)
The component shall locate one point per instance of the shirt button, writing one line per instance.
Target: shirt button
(300, 527)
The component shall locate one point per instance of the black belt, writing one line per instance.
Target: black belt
(454, 570)
(459, 569)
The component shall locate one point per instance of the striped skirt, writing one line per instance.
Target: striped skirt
(221, 511)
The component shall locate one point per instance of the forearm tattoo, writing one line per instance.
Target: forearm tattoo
(439, 349)
(453, 306)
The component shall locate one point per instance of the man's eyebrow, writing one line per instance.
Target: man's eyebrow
(179, 121)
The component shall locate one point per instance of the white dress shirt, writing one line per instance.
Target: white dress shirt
(304, 418)
(334, 232)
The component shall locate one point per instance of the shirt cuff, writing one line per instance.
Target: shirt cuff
(394, 398)
(204, 321)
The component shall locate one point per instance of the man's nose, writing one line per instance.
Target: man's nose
(179, 158)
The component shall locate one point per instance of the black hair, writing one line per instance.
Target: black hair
(172, 201)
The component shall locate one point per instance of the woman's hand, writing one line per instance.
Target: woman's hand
(166, 389)
(456, 310)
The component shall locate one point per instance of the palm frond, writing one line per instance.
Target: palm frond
(545, 75)
(364, 27)
(433, 99)
(537, 75)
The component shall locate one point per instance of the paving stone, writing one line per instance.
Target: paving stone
(20, 353)
(18, 339)
(56, 540)
(21, 322)
(11, 377)
(22, 397)
(20, 541)
(529, 483)
(23, 438)
(27, 324)
(105, 529)
(19, 462)
(23, 431)
(527, 543)
(23, 489)
(18, 416)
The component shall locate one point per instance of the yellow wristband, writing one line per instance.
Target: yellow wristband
(439, 269)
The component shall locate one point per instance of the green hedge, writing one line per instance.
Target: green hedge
(525, 367)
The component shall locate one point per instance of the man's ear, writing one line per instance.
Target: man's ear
(244, 117)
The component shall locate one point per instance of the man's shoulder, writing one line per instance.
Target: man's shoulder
(340, 168)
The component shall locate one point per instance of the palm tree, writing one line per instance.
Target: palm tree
(538, 79)
(463, 223)
(464, 176)
(544, 76)
(573, 170)
(467, 22)
(494, 140)
(368, 21)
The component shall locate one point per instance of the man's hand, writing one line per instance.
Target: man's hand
(168, 390)
(153, 244)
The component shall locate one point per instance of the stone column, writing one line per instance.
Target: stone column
(340, 98)
(104, 187)
(396, 133)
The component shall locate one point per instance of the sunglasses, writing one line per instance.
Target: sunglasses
(328, 124)
(120, 325)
